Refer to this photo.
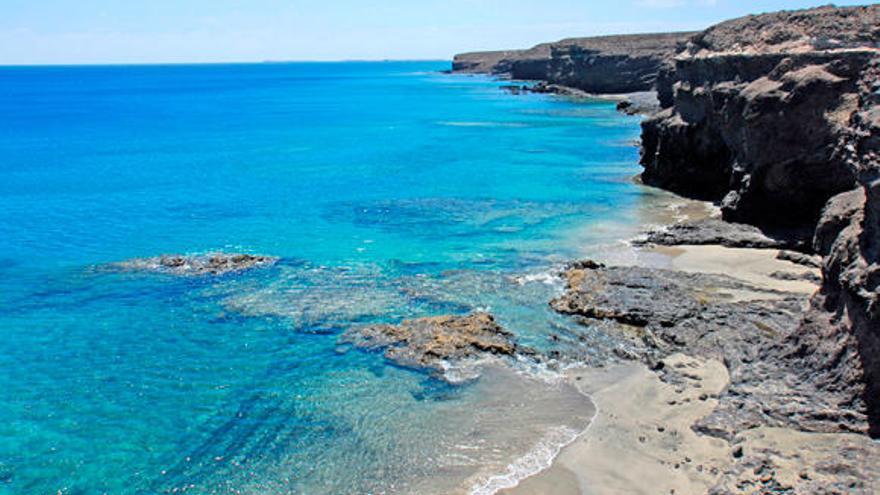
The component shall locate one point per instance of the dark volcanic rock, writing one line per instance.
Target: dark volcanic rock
(805, 276)
(840, 336)
(836, 216)
(494, 62)
(557, 89)
(802, 259)
(606, 64)
(641, 103)
(775, 116)
(666, 311)
(842, 466)
(206, 264)
(760, 113)
(678, 309)
(429, 342)
(716, 231)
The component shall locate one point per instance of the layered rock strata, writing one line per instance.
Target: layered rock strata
(604, 65)
(759, 113)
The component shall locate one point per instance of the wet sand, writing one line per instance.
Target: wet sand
(641, 441)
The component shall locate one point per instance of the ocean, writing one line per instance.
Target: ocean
(388, 191)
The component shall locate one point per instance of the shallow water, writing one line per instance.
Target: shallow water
(388, 190)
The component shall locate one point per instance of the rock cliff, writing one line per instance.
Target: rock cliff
(606, 64)
(776, 116)
(839, 339)
(758, 113)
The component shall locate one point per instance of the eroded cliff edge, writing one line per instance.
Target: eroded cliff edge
(776, 117)
(604, 64)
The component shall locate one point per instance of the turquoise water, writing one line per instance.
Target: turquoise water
(388, 190)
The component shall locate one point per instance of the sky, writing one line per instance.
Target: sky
(179, 31)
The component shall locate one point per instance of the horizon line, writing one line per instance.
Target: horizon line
(232, 62)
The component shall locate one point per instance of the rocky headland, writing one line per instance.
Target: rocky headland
(600, 65)
(774, 117)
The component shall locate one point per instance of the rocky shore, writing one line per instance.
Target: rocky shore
(775, 119)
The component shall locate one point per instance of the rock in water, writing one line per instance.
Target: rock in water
(431, 342)
(196, 265)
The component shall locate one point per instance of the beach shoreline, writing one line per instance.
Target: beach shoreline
(643, 439)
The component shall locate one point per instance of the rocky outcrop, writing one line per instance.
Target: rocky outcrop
(432, 342)
(836, 216)
(712, 231)
(494, 62)
(604, 65)
(664, 312)
(759, 113)
(810, 261)
(196, 265)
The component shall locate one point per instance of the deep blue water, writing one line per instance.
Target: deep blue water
(388, 190)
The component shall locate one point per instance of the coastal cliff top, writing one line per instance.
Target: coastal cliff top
(794, 31)
(633, 45)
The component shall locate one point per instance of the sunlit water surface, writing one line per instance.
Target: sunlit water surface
(388, 190)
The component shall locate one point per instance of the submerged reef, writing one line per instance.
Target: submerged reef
(196, 265)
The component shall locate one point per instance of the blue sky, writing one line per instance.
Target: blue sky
(126, 31)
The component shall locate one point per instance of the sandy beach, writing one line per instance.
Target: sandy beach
(642, 441)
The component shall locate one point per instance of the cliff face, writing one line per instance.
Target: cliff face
(758, 111)
(777, 117)
(607, 64)
(839, 339)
